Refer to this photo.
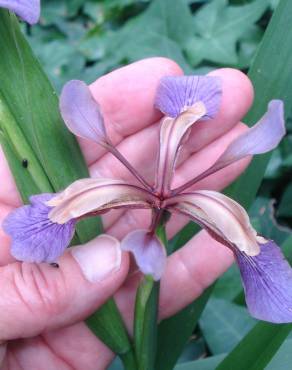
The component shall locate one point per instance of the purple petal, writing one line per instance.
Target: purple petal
(81, 112)
(34, 237)
(267, 280)
(259, 139)
(148, 251)
(177, 94)
(28, 10)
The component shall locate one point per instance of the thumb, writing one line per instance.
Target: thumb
(38, 297)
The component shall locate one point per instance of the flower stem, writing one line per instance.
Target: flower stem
(146, 312)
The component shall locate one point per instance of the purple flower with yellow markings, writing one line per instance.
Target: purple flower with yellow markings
(184, 101)
(28, 10)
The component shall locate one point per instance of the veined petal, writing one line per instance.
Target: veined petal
(225, 219)
(81, 112)
(177, 94)
(172, 133)
(28, 10)
(95, 196)
(35, 238)
(267, 280)
(261, 138)
(149, 252)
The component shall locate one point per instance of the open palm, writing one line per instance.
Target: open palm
(44, 306)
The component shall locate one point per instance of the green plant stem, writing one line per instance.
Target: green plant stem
(145, 325)
(145, 322)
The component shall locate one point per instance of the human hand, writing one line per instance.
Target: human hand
(42, 307)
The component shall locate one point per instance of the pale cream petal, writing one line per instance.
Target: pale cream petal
(95, 196)
(221, 215)
(172, 133)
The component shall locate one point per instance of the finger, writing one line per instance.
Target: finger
(190, 271)
(126, 97)
(119, 225)
(38, 297)
(59, 349)
(88, 352)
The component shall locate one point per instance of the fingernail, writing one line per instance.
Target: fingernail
(99, 258)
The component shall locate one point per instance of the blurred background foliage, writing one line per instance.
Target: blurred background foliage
(83, 39)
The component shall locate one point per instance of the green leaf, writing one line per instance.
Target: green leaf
(283, 358)
(219, 27)
(257, 348)
(174, 333)
(175, 20)
(195, 348)
(248, 45)
(159, 31)
(262, 214)
(107, 324)
(14, 142)
(205, 364)
(60, 60)
(73, 6)
(25, 183)
(285, 208)
(224, 324)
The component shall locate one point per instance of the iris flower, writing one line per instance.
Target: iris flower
(41, 231)
(28, 10)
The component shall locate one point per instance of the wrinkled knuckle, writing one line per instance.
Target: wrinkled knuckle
(37, 290)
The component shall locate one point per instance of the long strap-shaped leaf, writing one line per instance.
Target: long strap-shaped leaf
(272, 78)
(43, 155)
